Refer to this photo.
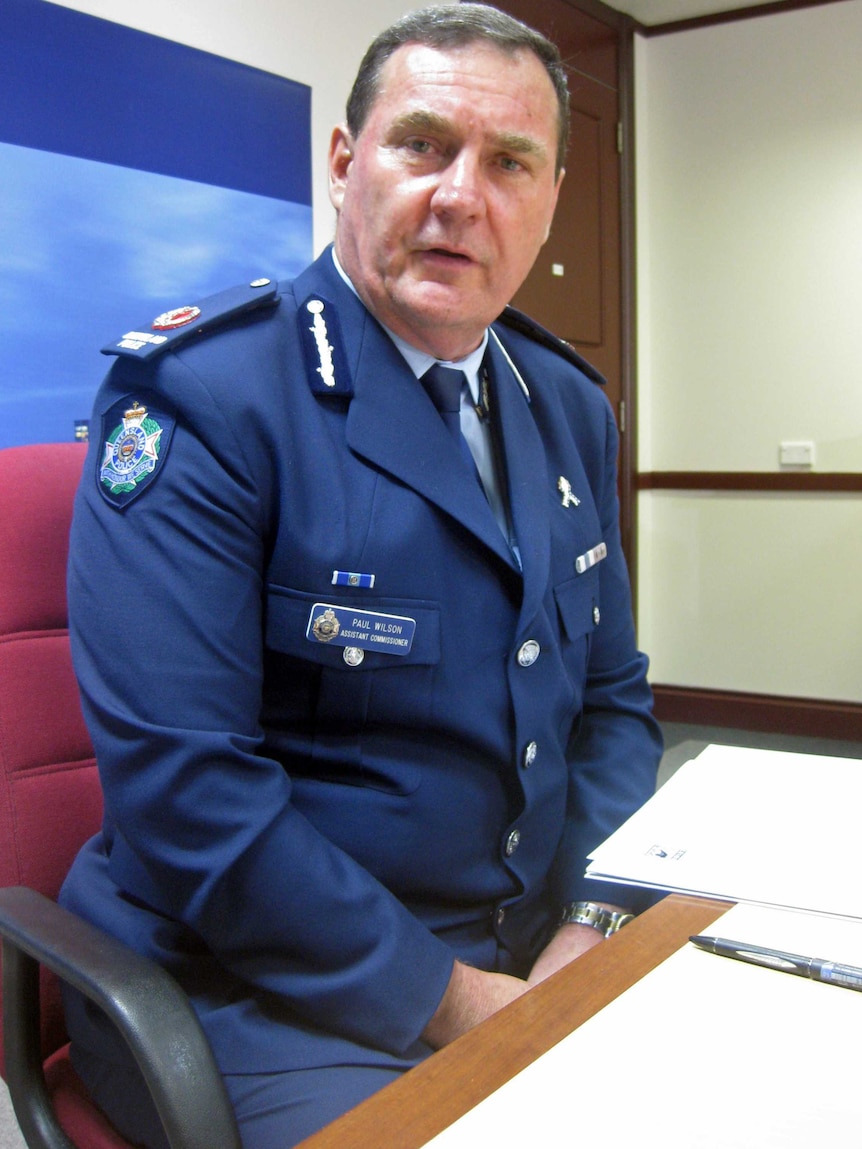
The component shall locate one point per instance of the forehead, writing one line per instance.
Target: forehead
(477, 78)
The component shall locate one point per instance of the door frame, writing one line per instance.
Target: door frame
(625, 27)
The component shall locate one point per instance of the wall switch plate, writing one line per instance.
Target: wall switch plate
(796, 454)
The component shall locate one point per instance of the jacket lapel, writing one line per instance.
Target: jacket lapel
(393, 424)
(527, 475)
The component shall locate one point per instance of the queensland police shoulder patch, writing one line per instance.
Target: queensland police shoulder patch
(135, 445)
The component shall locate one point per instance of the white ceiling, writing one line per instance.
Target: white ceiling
(663, 11)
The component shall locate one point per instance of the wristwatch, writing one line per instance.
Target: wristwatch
(607, 922)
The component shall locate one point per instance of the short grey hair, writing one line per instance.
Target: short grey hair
(453, 26)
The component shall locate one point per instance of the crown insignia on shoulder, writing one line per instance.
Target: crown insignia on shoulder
(179, 324)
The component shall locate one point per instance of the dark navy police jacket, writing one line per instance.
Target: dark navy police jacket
(343, 738)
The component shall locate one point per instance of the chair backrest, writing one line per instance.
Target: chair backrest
(50, 799)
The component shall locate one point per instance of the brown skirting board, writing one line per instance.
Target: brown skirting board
(765, 713)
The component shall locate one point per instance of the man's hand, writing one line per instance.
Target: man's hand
(568, 943)
(471, 996)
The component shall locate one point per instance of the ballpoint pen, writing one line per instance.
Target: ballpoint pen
(834, 973)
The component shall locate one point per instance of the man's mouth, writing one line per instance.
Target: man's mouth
(445, 255)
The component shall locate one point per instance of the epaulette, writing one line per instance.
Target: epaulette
(524, 325)
(180, 324)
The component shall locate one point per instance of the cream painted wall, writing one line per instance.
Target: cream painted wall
(317, 42)
(751, 231)
(753, 593)
(749, 162)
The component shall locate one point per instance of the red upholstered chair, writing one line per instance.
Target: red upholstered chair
(50, 803)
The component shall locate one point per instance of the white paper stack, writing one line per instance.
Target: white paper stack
(746, 825)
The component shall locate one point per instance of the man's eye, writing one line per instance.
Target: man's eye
(420, 147)
(510, 164)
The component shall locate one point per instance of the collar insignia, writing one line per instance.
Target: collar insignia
(323, 348)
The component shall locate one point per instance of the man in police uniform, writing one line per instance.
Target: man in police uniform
(363, 700)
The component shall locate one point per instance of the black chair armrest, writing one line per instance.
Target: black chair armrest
(146, 1004)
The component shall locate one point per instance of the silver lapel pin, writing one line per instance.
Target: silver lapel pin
(565, 489)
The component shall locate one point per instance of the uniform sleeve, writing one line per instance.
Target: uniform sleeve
(166, 620)
(615, 750)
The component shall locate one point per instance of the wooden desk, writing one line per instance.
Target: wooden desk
(430, 1097)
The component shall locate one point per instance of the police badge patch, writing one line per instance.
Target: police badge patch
(135, 448)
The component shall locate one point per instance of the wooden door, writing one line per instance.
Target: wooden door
(576, 287)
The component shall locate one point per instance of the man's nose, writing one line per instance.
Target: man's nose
(461, 187)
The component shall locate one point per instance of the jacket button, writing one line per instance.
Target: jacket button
(512, 842)
(597, 615)
(532, 749)
(500, 915)
(528, 653)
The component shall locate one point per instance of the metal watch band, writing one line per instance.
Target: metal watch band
(607, 922)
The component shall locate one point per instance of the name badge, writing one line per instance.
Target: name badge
(584, 562)
(364, 629)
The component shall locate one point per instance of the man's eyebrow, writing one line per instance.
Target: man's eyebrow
(520, 145)
(421, 120)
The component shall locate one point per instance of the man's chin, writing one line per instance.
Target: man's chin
(449, 301)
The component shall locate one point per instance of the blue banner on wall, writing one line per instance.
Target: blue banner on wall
(136, 175)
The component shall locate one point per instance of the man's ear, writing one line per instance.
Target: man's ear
(340, 159)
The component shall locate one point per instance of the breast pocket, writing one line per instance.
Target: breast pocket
(359, 686)
(579, 613)
(578, 604)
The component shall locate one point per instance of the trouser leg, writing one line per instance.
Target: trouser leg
(274, 1110)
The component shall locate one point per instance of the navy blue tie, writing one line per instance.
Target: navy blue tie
(444, 385)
